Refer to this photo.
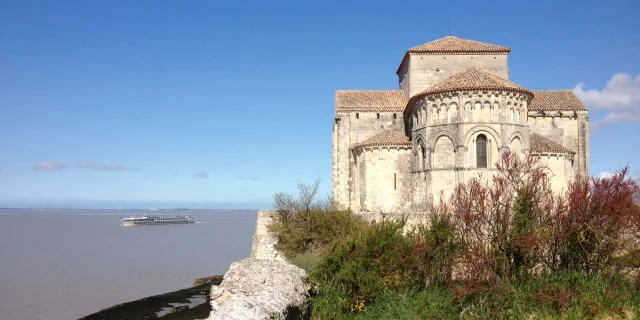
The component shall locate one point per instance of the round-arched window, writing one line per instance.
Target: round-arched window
(481, 151)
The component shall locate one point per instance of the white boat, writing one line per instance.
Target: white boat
(148, 220)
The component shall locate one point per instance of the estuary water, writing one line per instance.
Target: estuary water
(57, 264)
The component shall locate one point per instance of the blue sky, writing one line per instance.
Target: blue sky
(219, 104)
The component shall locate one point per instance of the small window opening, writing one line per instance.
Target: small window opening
(394, 181)
(357, 115)
(481, 151)
(394, 116)
(437, 69)
(378, 115)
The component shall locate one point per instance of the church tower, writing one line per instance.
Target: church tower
(425, 65)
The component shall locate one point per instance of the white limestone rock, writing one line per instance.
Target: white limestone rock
(261, 289)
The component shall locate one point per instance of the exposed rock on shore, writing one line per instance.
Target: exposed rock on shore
(186, 304)
(261, 289)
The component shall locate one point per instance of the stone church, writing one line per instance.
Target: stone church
(455, 111)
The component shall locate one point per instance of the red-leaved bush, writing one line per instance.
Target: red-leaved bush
(600, 222)
(514, 225)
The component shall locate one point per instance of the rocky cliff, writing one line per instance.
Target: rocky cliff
(264, 286)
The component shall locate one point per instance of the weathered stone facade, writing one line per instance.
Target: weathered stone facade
(458, 112)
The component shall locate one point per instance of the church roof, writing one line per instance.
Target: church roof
(370, 100)
(385, 138)
(549, 100)
(470, 80)
(451, 44)
(540, 144)
(473, 79)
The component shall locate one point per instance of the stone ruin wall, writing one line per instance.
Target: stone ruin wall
(264, 243)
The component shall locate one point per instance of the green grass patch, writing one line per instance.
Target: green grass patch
(553, 296)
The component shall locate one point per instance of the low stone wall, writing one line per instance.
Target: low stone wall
(413, 218)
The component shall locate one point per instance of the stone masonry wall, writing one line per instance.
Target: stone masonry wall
(425, 70)
(383, 182)
(444, 130)
(568, 128)
(350, 129)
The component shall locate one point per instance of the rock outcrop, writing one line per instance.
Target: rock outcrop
(261, 289)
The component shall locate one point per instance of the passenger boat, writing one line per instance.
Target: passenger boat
(155, 220)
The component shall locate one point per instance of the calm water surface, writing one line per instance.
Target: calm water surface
(68, 264)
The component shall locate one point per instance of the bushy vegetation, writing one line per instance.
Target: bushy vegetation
(505, 247)
(307, 226)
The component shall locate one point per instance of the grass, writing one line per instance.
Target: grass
(555, 296)
(307, 261)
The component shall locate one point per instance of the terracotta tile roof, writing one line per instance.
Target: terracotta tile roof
(544, 100)
(473, 79)
(451, 44)
(470, 80)
(540, 144)
(370, 100)
(385, 138)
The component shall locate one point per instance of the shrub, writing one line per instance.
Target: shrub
(505, 222)
(304, 225)
(435, 249)
(600, 223)
(381, 259)
(367, 264)
(516, 226)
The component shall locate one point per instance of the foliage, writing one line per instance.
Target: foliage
(601, 219)
(369, 263)
(505, 246)
(381, 259)
(303, 225)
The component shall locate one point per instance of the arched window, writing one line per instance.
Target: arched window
(477, 112)
(434, 114)
(421, 156)
(481, 151)
(453, 112)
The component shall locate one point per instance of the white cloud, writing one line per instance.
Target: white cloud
(201, 174)
(252, 178)
(621, 96)
(605, 174)
(103, 167)
(50, 166)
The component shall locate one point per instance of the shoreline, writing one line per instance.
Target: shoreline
(189, 303)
